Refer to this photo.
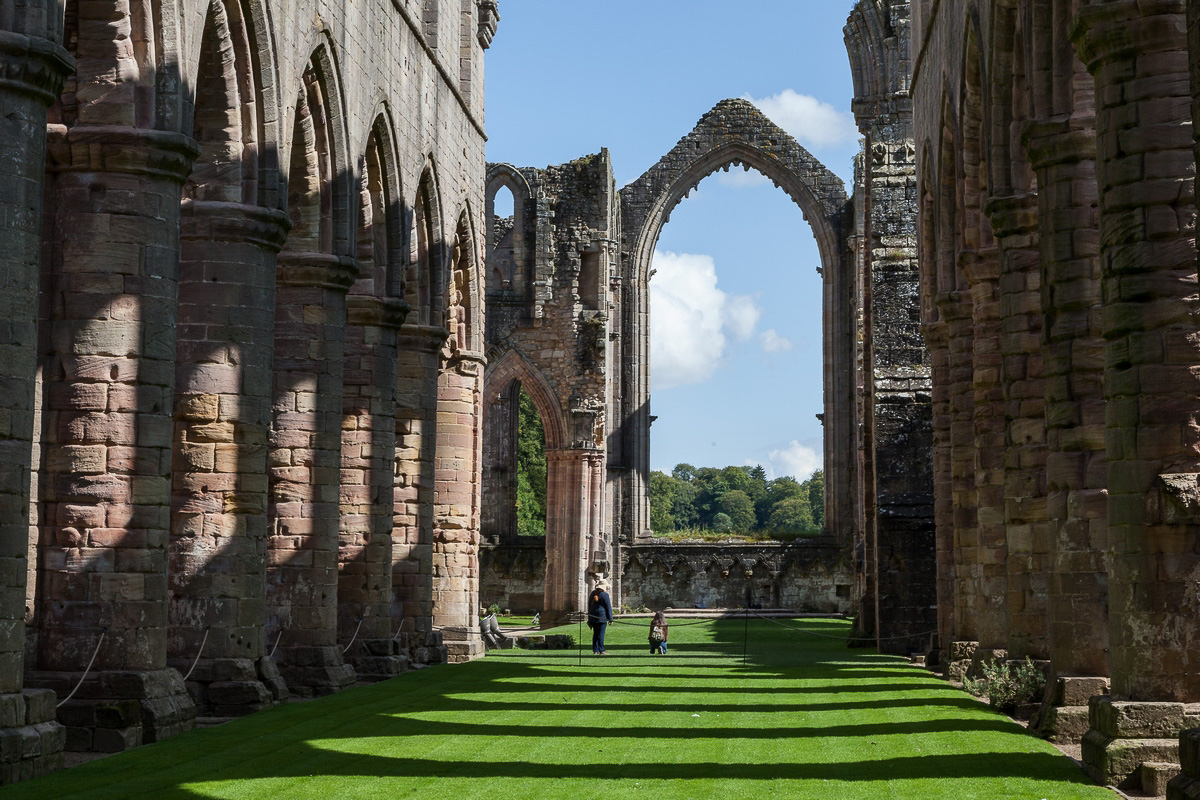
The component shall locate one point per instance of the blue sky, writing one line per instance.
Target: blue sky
(736, 300)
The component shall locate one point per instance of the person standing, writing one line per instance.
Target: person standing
(658, 633)
(599, 615)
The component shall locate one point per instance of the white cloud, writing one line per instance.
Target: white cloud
(812, 122)
(691, 319)
(796, 460)
(772, 342)
(741, 315)
(742, 178)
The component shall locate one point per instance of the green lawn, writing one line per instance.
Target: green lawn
(804, 718)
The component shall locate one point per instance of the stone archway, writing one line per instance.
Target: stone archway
(736, 133)
(573, 480)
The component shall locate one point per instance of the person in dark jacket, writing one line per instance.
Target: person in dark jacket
(658, 633)
(599, 615)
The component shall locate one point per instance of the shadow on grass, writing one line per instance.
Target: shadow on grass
(536, 695)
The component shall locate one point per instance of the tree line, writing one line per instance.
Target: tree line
(735, 500)
(724, 500)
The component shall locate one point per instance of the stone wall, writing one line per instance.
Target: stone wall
(805, 576)
(248, 247)
(1056, 179)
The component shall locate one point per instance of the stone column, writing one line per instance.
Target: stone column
(108, 389)
(302, 552)
(989, 576)
(568, 529)
(1137, 53)
(418, 363)
(368, 486)
(1014, 224)
(218, 547)
(1062, 151)
(943, 509)
(955, 310)
(32, 70)
(1187, 785)
(456, 505)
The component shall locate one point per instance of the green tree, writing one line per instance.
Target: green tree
(684, 472)
(722, 523)
(777, 491)
(740, 509)
(531, 469)
(662, 499)
(816, 497)
(791, 515)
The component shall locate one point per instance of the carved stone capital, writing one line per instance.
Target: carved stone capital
(1012, 215)
(418, 338)
(489, 17)
(33, 66)
(979, 266)
(317, 270)
(234, 222)
(115, 148)
(955, 306)
(376, 312)
(1127, 29)
(1058, 141)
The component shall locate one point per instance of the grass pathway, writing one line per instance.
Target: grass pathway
(804, 718)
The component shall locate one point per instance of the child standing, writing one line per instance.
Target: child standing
(658, 633)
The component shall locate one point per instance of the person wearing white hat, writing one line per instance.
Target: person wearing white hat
(599, 615)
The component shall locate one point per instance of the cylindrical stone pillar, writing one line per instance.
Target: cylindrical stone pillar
(943, 511)
(982, 271)
(418, 360)
(1137, 52)
(32, 70)
(305, 455)
(108, 388)
(1063, 154)
(955, 310)
(456, 505)
(1014, 224)
(568, 523)
(219, 487)
(367, 498)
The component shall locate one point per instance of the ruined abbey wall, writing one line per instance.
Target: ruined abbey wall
(242, 336)
(1056, 179)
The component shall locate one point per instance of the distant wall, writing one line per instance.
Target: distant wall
(805, 576)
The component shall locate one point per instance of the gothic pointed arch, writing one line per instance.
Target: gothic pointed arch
(507, 255)
(380, 244)
(733, 133)
(424, 287)
(510, 367)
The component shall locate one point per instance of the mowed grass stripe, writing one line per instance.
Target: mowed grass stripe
(803, 717)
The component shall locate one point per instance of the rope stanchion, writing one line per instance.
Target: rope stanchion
(198, 654)
(353, 638)
(82, 677)
(745, 634)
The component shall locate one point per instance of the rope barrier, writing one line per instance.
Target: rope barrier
(89, 667)
(276, 647)
(844, 638)
(198, 653)
(672, 624)
(346, 649)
